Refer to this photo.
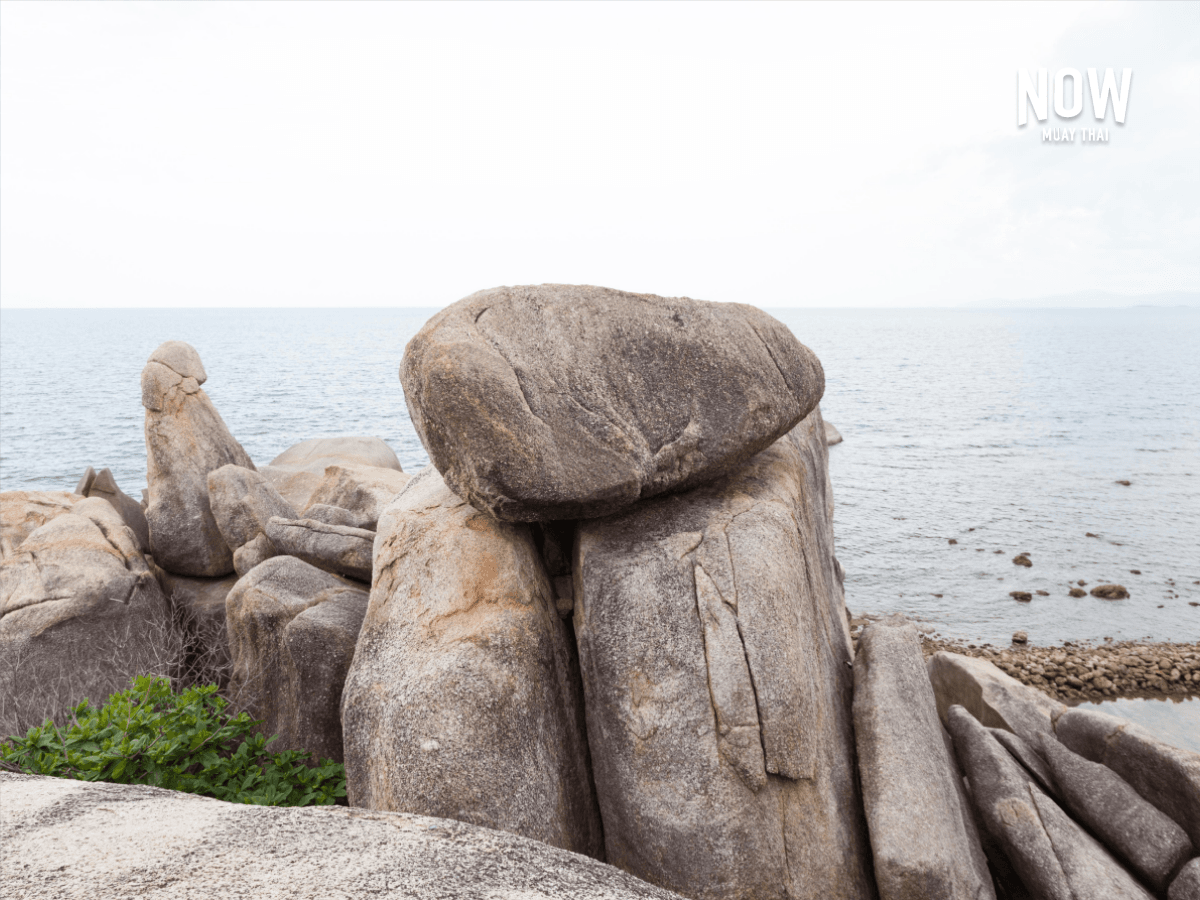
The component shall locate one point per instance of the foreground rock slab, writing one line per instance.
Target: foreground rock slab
(908, 776)
(1054, 857)
(463, 699)
(186, 438)
(716, 666)
(298, 471)
(67, 838)
(564, 401)
(292, 630)
(995, 699)
(1166, 776)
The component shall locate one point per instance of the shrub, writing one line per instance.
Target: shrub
(185, 742)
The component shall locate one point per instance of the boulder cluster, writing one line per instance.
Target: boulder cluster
(607, 618)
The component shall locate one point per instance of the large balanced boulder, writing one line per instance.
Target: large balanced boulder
(908, 776)
(1169, 777)
(23, 512)
(242, 502)
(292, 630)
(715, 656)
(80, 615)
(66, 838)
(185, 440)
(364, 491)
(298, 471)
(103, 484)
(463, 700)
(565, 401)
(1054, 857)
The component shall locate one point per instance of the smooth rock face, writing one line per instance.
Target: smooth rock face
(716, 667)
(292, 631)
(1055, 858)
(365, 490)
(65, 838)
(198, 605)
(1186, 885)
(299, 470)
(1148, 840)
(334, 548)
(23, 512)
(80, 614)
(185, 440)
(907, 775)
(463, 699)
(565, 401)
(1166, 776)
(104, 486)
(994, 698)
(242, 502)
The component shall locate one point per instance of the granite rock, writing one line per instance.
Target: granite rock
(365, 490)
(102, 484)
(334, 548)
(298, 471)
(1186, 885)
(23, 512)
(995, 699)
(242, 502)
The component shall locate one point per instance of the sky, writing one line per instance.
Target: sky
(287, 154)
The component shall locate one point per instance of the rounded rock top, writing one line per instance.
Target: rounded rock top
(181, 358)
(555, 401)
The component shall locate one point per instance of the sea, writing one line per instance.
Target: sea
(970, 436)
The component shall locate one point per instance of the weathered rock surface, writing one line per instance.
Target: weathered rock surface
(1166, 776)
(564, 401)
(198, 605)
(80, 614)
(1186, 885)
(337, 515)
(65, 838)
(715, 655)
(995, 699)
(102, 484)
(185, 440)
(832, 435)
(1027, 757)
(907, 776)
(334, 548)
(463, 699)
(1146, 839)
(1054, 857)
(23, 512)
(292, 631)
(365, 490)
(299, 470)
(242, 502)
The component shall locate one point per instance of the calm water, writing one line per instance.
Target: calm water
(1004, 430)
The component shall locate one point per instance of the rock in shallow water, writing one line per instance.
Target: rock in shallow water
(185, 440)
(563, 401)
(463, 699)
(716, 666)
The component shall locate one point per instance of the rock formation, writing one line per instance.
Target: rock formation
(561, 401)
(362, 490)
(463, 697)
(716, 667)
(104, 485)
(908, 776)
(23, 512)
(334, 548)
(292, 631)
(298, 471)
(242, 502)
(185, 440)
(995, 699)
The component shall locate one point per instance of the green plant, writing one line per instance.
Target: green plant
(185, 742)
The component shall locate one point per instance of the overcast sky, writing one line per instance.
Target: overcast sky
(403, 154)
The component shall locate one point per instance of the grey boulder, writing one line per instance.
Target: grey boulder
(363, 490)
(298, 471)
(832, 435)
(334, 548)
(80, 615)
(1148, 840)
(908, 777)
(558, 401)
(1186, 885)
(242, 502)
(994, 698)
(102, 484)
(292, 631)
(23, 512)
(185, 440)
(1166, 776)
(1054, 857)
(463, 699)
(715, 655)
(65, 838)
(1027, 757)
